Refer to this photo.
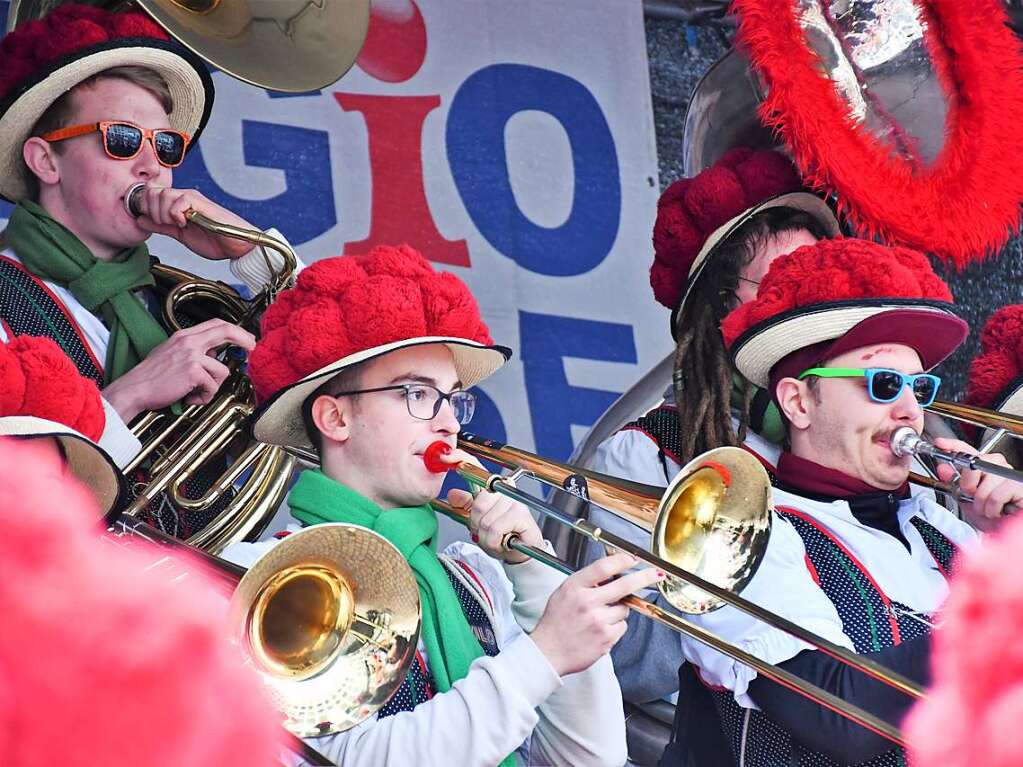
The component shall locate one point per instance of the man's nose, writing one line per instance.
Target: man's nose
(445, 420)
(906, 407)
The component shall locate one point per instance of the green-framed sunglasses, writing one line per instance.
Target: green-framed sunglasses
(884, 385)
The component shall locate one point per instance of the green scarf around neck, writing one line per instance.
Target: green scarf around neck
(450, 644)
(772, 428)
(50, 251)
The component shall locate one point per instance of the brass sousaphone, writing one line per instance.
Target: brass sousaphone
(283, 45)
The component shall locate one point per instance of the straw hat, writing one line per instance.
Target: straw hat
(695, 216)
(350, 309)
(849, 292)
(43, 59)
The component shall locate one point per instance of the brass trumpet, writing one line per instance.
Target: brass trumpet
(710, 530)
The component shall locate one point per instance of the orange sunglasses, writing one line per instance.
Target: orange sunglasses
(123, 140)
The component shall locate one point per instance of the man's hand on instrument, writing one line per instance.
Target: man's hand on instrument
(163, 212)
(584, 618)
(494, 518)
(183, 366)
(991, 494)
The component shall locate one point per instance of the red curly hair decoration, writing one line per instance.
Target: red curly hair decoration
(346, 304)
(38, 379)
(962, 208)
(64, 30)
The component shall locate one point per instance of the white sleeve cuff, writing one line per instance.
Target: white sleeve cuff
(254, 268)
(117, 440)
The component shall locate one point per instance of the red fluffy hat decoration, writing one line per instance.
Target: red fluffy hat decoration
(68, 28)
(996, 374)
(103, 660)
(38, 379)
(975, 703)
(349, 309)
(695, 215)
(961, 206)
(821, 292)
(44, 58)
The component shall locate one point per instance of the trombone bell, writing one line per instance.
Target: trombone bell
(298, 620)
(714, 520)
(330, 617)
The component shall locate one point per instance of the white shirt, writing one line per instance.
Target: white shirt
(783, 584)
(510, 700)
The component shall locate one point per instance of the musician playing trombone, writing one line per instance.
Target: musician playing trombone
(369, 360)
(92, 103)
(715, 236)
(843, 334)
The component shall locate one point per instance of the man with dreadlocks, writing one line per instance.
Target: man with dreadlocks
(715, 237)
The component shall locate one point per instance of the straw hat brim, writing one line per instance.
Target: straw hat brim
(765, 344)
(279, 420)
(189, 81)
(86, 460)
(803, 201)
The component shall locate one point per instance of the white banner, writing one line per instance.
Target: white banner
(512, 143)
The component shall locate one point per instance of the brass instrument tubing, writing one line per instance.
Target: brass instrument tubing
(659, 614)
(495, 483)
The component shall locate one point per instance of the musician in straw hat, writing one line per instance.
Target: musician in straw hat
(843, 334)
(93, 102)
(367, 361)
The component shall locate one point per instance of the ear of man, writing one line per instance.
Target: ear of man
(332, 417)
(41, 159)
(796, 399)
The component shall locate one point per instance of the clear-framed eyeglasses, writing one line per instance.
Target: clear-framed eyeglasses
(423, 400)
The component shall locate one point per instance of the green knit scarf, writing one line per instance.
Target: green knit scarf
(52, 252)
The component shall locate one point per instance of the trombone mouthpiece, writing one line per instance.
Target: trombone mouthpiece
(431, 457)
(133, 200)
(905, 441)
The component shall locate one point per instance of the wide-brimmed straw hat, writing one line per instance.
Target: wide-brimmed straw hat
(43, 59)
(86, 460)
(850, 293)
(696, 216)
(348, 310)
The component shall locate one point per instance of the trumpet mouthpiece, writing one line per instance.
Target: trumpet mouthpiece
(905, 441)
(133, 200)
